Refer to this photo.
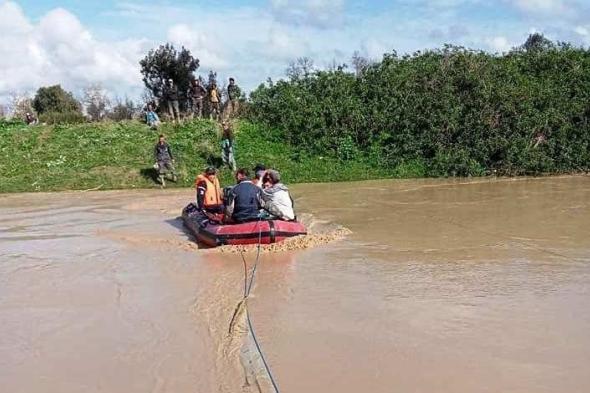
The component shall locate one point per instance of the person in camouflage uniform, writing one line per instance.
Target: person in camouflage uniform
(197, 94)
(234, 93)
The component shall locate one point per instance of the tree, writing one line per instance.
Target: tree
(537, 42)
(20, 105)
(300, 68)
(55, 99)
(334, 66)
(211, 79)
(147, 97)
(96, 102)
(165, 63)
(359, 63)
(123, 110)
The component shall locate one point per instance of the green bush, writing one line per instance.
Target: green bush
(55, 99)
(456, 112)
(62, 118)
(9, 123)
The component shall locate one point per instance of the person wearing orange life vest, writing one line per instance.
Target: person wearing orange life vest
(209, 195)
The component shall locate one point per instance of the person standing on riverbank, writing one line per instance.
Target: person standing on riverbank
(227, 146)
(214, 101)
(171, 96)
(197, 94)
(233, 93)
(164, 160)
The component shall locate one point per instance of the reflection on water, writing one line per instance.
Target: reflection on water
(444, 286)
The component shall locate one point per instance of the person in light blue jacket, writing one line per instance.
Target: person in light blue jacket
(151, 117)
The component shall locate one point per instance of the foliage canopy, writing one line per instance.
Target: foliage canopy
(451, 111)
(164, 63)
(55, 99)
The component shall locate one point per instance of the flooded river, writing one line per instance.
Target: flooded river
(443, 286)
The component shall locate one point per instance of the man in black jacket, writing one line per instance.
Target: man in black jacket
(244, 199)
(197, 94)
(171, 96)
(164, 160)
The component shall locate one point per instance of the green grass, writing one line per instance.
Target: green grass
(120, 156)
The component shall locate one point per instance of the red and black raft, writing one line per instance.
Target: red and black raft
(212, 233)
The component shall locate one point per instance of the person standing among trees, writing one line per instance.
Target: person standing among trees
(171, 97)
(197, 93)
(214, 101)
(227, 145)
(233, 93)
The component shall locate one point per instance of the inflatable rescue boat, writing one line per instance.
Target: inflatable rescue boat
(210, 231)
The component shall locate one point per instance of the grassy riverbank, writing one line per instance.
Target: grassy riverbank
(120, 155)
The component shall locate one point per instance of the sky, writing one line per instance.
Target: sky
(77, 43)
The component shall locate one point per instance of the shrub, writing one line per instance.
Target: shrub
(55, 99)
(70, 117)
(456, 111)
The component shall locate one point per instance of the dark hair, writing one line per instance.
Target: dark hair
(259, 167)
(210, 171)
(228, 133)
(243, 171)
(161, 136)
(232, 80)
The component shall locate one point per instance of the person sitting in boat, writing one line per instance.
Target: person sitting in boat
(243, 202)
(276, 200)
(259, 172)
(209, 196)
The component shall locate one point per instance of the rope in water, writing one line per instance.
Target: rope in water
(247, 289)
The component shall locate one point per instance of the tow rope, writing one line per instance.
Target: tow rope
(247, 289)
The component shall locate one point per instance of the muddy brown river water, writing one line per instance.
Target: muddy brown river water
(443, 286)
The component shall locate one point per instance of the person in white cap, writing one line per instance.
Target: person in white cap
(171, 96)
